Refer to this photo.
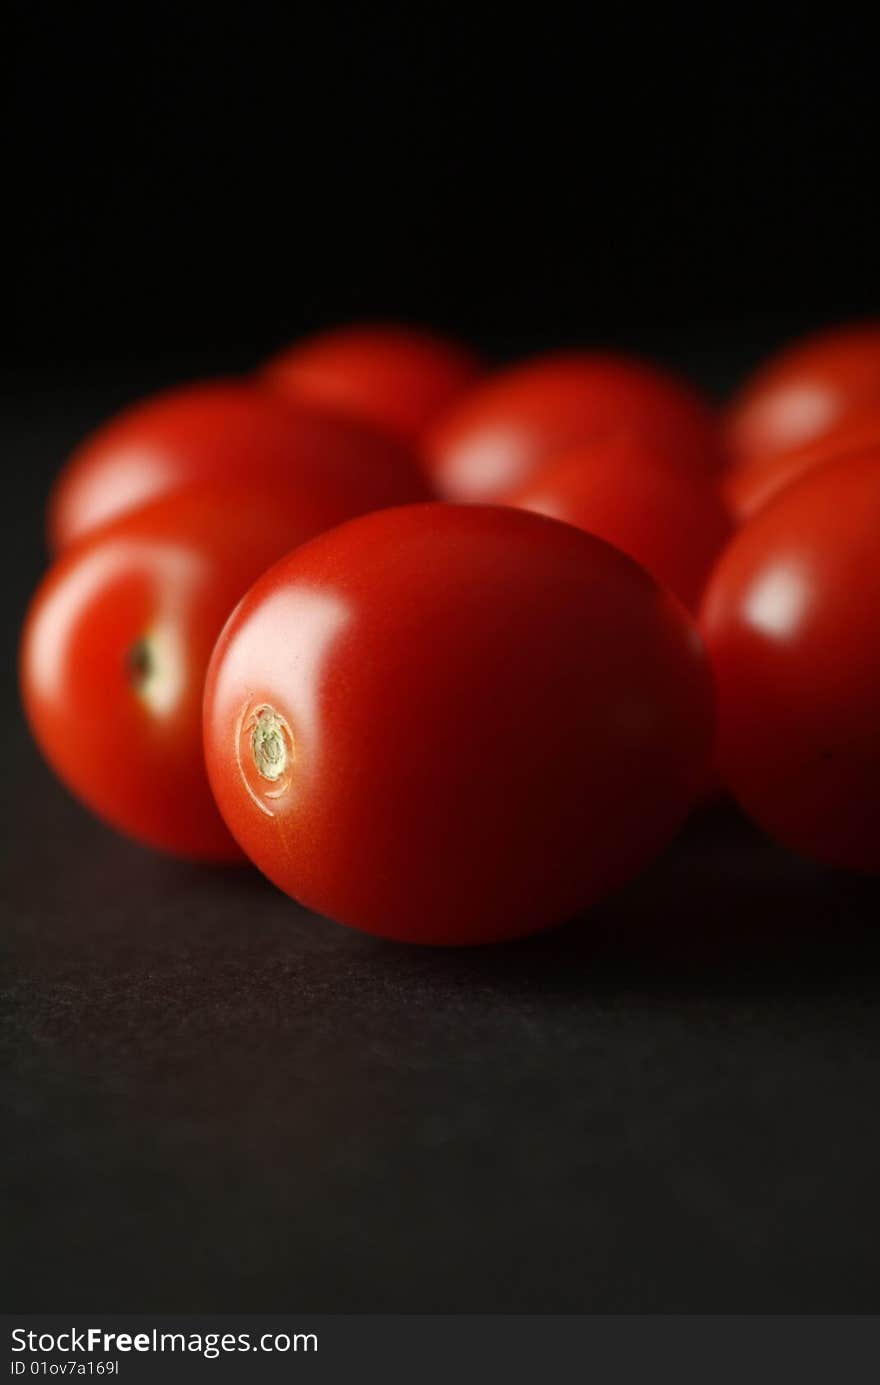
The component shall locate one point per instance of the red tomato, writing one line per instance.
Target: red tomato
(453, 724)
(669, 517)
(398, 378)
(749, 486)
(791, 620)
(804, 391)
(116, 646)
(499, 435)
(230, 432)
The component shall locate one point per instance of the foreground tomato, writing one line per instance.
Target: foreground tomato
(453, 724)
(748, 487)
(396, 378)
(669, 517)
(116, 646)
(502, 431)
(791, 620)
(804, 391)
(231, 432)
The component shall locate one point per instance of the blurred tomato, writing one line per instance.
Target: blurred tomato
(117, 642)
(397, 378)
(669, 517)
(791, 621)
(456, 724)
(505, 429)
(805, 391)
(749, 486)
(233, 432)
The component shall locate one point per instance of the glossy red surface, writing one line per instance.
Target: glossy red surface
(453, 724)
(748, 487)
(804, 391)
(115, 648)
(791, 622)
(506, 428)
(669, 517)
(396, 378)
(232, 432)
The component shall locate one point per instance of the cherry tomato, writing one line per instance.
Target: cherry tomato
(502, 431)
(669, 517)
(398, 378)
(804, 391)
(453, 724)
(116, 646)
(749, 486)
(791, 620)
(232, 432)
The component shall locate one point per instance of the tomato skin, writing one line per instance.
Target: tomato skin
(790, 618)
(115, 648)
(504, 430)
(748, 487)
(395, 378)
(804, 391)
(228, 432)
(482, 720)
(668, 517)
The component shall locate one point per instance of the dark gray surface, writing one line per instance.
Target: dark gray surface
(219, 1102)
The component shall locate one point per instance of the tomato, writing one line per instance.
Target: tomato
(792, 625)
(232, 432)
(453, 724)
(398, 378)
(117, 642)
(504, 430)
(669, 517)
(749, 486)
(804, 391)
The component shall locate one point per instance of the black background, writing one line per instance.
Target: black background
(218, 1102)
(191, 180)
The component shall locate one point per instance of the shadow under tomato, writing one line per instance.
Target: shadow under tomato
(723, 907)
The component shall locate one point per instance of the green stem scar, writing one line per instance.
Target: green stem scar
(269, 744)
(140, 663)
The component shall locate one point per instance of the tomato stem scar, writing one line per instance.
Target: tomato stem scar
(270, 744)
(140, 662)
